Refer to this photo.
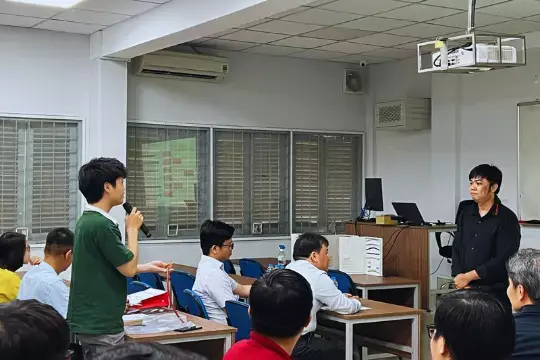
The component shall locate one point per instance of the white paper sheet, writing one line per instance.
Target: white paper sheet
(138, 297)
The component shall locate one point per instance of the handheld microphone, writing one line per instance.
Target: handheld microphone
(129, 208)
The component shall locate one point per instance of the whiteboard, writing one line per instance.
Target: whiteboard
(529, 161)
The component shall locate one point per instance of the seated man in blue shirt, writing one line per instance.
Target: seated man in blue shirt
(524, 293)
(42, 282)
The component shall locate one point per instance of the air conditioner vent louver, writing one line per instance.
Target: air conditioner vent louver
(404, 114)
(390, 114)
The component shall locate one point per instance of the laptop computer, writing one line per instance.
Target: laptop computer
(410, 213)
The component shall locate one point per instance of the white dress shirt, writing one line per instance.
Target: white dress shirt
(43, 284)
(325, 293)
(215, 287)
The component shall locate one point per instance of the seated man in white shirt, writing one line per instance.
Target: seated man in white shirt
(212, 283)
(42, 282)
(311, 261)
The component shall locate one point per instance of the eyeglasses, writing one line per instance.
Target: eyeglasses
(230, 245)
(431, 331)
(27, 247)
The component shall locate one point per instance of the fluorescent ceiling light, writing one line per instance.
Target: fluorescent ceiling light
(52, 3)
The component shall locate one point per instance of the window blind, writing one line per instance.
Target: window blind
(168, 177)
(9, 170)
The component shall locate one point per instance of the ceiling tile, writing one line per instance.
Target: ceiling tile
(513, 27)
(14, 20)
(272, 50)
(368, 7)
(424, 30)
(373, 23)
(303, 42)
(461, 20)
(321, 17)
(337, 33)
(319, 2)
(124, 7)
(392, 53)
(285, 27)
(356, 59)
(253, 23)
(91, 17)
(227, 44)
(43, 12)
(419, 12)
(253, 36)
(514, 9)
(348, 48)
(224, 32)
(384, 39)
(410, 46)
(317, 54)
(156, 1)
(461, 4)
(533, 18)
(288, 12)
(70, 27)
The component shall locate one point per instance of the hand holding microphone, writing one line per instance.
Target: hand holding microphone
(135, 220)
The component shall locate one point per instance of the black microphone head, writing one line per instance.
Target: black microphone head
(128, 207)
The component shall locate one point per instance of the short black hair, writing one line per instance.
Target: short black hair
(308, 243)
(214, 232)
(59, 241)
(146, 351)
(32, 330)
(475, 325)
(489, 172)
(524, 269)
(12, 250)
(96, 173)
(280, 304)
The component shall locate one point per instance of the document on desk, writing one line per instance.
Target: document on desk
(155, 324)
(139, 297)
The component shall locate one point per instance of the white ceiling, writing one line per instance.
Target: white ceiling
(372, 30)
(86, 17)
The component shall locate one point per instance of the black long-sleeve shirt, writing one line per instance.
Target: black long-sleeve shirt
(485, 243)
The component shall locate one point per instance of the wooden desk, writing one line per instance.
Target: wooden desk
(263, 261)
(242, 280)
(385, 325)
(212, 341)
(406, 250)
(388, 289)
(185, 268)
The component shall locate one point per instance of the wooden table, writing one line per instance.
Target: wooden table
(386, 326)
(388, 289)
(212, 341)
(263, 261)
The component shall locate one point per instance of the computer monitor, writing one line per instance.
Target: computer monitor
(374, 197)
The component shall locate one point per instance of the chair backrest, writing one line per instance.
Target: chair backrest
(229, 267)
(136, 286)
(195, 306)
(152, 279)
(251, 268)
(238, 315)
(345, 283)
(181, 281)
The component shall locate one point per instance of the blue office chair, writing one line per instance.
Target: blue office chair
(195, 305)
(238, 315)
(345, 283)
(181, 281)
(229, 267)
(134, 286)
(152, 279)
(251, 268)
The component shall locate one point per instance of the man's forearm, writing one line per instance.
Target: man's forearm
(242, 291)
(472, 275)
(133, 244)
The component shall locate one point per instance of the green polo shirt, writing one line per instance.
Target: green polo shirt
(98, 291)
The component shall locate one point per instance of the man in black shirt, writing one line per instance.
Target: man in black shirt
(488, 234)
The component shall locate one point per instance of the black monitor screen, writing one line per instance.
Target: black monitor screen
(374, 199)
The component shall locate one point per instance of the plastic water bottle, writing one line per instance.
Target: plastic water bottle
(281, 258)
(270, 268)
(335, 282)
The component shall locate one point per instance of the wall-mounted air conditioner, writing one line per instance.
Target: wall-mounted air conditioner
(404, 114)
(183, 66)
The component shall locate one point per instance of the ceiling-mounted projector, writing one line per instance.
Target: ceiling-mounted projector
(485, 53)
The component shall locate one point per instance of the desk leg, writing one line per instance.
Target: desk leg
(227, 344)
(349, 345)
(415, 333)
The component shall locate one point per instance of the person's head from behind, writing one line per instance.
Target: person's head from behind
(146, 351)
(471, 325)
(313, 248)
(32, 330)
(14, 251)
(524, 278)
(484, 182)
(216, 239)
(59, 247)
(280, 304)
(102, 179)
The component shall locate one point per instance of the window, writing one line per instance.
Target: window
(39, 161)
(251, 181)
(168, 177)
(327, 183)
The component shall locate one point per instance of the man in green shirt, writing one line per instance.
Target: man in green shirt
(101, 262)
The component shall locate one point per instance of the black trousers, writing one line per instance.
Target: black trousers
(309, 347)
